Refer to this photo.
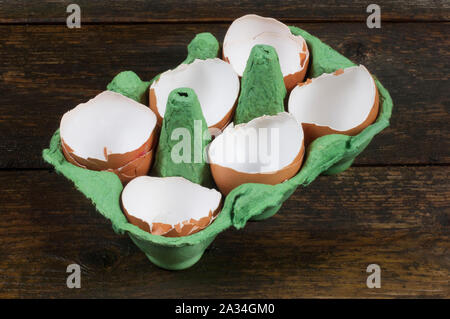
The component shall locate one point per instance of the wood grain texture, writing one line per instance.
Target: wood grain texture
(318, 245)
(47, 70)
(25, 11)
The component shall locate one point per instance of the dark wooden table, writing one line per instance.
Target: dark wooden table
(391, 208)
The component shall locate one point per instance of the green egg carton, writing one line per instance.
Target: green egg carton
(329, 154)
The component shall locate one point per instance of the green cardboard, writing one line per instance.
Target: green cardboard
(327, 154)
(183, 115)
(129, 84)
(262, 86)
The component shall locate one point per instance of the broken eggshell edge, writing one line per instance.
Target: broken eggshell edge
(227, 178)
(126, 166)
(313, 131)
(197, 65)
(291, 79)
(185, 228)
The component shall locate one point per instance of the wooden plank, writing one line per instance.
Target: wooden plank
(46, 70)
(25, 11)
(318, 245)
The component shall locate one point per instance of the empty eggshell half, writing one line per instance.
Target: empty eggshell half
(343, 102)
(213, 80)
(246, 32)
(110, 132)
(266, 150)
(169, 206)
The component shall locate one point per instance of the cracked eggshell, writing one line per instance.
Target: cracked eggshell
(213, 80)
(169, 206)
(266, 150)
(110, 132)
(343, 102)
(246, 32)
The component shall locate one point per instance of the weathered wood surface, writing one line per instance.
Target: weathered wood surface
(318, 245)
(50, 11)
(46, 70)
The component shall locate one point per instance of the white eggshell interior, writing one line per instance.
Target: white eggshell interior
(109, 120)
(168, 200)
(250, 30)
(340, 102)
(213, 80)
(265, 144)
(251, 25)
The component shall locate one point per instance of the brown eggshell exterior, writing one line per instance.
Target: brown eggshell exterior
(138, 167)
(228, 179)
(185, 228)
(291, 80)
(219, 125)
(313, 131)
(126, 166)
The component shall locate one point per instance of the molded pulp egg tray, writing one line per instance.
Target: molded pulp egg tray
(329, 154)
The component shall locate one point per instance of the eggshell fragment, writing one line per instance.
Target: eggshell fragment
(213, 80)
(169, 206)
(266, 150)
(110, 132)
(247, 31)
(343, 102)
